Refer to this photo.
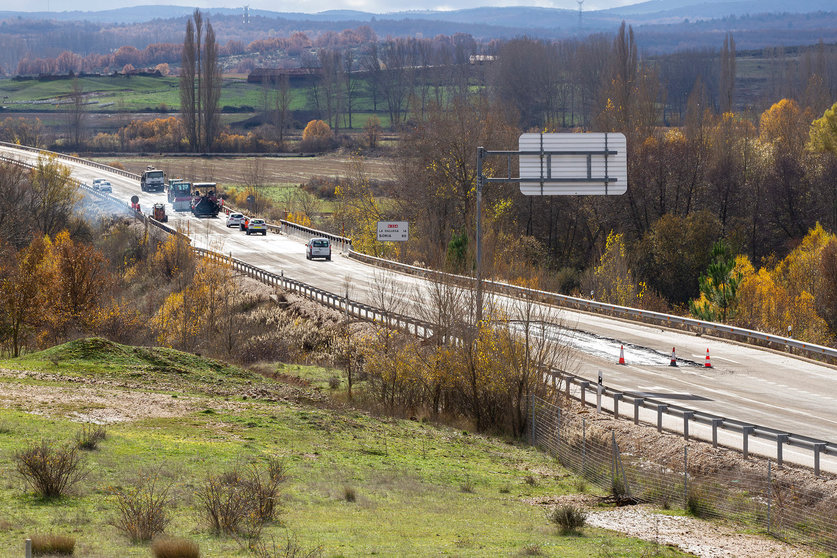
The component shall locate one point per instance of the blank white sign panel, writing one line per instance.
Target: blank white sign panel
(582, 174)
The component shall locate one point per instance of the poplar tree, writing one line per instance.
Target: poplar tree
(727, 73)
(200, 84)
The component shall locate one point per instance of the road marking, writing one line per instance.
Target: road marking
(714, 357)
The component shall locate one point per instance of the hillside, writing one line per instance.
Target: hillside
(415, 488)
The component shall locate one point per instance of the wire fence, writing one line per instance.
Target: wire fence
(758, 495)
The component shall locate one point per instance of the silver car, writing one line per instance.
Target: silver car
(318, 248)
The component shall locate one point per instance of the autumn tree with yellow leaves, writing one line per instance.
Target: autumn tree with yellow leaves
(485, 373)
(798, 292)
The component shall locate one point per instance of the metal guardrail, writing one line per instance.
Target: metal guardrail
(353, 308)
(780, 437)
(423, 329)
(73, 159)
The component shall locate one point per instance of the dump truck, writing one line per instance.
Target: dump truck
(152, 180)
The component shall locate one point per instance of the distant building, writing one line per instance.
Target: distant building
(273, 75)
(481, 58)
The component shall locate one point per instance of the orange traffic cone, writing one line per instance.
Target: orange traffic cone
(621, 354)
(707, 364)
(673, 358)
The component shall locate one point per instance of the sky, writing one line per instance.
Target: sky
(306, 6)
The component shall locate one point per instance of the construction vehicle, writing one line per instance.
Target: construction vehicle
(204, 200)
(158, 212)
(152, 180)
(180, 194)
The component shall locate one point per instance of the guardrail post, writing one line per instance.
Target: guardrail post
(746, 431)
(637, 404)
(769, 493)
(686, 477)
(568, 379)
(817, 449)
(616, 398)
(583, 447)
(716, 422)
(780, 439)
(27, 547)
(661, 408)
(687, 415)
(584, 386)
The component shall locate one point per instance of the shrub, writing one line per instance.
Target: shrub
(316, 136)
(143, 507)
(334, 382)
(568, 518)
(53, 544)
(531, 550)
(290, 549)
(167, 547)
(90, 435)
(697, 503)
(240, 501)
(349, 494)
(50, 470)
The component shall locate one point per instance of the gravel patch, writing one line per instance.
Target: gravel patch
(701, 538)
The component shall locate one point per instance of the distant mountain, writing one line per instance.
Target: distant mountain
(515, 17)
(673, 10)
(660, 25)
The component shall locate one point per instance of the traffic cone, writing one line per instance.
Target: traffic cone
(621, 354)
(673, 358)
(707, 364)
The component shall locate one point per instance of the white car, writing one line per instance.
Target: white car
(318, 248)
(97, 181)
(104, 186)
(235, 220)
(257, 226)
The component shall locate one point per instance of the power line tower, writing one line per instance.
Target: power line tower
(246, 18)
(580, 3)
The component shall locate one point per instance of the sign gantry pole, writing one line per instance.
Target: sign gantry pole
(480, 156)
(557, 165)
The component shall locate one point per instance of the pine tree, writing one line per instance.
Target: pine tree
(718, 287)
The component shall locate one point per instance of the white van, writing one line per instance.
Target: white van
(318, 248)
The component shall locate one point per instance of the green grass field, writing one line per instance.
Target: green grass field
(421, 490)
(151, 94)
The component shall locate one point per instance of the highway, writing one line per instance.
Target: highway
(746, 383)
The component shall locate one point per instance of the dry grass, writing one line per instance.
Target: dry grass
(61, 545)
(171, 547)
(90, 435)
